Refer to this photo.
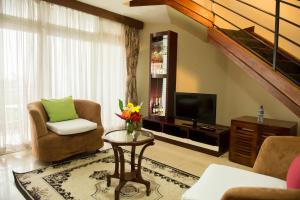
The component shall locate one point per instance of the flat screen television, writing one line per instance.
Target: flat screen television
(196, 106)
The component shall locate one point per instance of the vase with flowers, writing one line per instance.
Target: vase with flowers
(131, 114)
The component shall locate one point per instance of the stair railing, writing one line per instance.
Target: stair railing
(275, 31)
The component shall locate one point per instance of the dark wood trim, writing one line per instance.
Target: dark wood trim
(278, 85)
(188, 8)
(134, 3)
(100, 12)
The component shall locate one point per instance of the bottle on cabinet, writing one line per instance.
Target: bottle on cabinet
(260, 115)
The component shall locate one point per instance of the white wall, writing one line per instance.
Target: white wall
(201, 67)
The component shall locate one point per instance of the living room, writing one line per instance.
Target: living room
(62, 48)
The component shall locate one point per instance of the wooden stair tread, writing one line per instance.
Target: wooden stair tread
(285, 65)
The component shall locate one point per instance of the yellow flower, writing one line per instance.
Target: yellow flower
(135, 109)
(129, 105)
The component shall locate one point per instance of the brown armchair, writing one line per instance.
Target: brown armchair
(49, 146)
(274, 159)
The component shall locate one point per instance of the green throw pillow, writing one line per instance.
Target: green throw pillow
(60, 109)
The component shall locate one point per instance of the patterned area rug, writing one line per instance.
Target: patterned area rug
(85, 178)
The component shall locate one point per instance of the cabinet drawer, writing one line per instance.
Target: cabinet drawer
(276, 130)
(240, 158)
(244, 126)
(243, 151)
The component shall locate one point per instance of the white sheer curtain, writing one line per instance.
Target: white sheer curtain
(51, 51)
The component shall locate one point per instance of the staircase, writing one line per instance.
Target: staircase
(287, 64)
(275, 69)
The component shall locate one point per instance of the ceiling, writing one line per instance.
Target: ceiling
(151, 14)
(147, 14)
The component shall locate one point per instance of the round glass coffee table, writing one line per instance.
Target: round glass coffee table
(119, 138)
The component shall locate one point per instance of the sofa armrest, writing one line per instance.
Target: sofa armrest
(251, 193)
(276, 155)
(89, 110)
(38, 124)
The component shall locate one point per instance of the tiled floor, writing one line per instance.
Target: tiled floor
(185, 159)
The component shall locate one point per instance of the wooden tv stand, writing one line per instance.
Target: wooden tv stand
(211, 139)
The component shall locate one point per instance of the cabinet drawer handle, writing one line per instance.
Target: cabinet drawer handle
(245, 129)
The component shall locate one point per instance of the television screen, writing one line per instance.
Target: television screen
(197, 106)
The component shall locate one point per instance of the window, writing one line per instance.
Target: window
(51, 51)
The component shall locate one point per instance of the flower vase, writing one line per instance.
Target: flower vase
(130, 128)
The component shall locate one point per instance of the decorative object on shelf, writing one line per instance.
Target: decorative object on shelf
(163, 60)
(132, 116)
(260, 115)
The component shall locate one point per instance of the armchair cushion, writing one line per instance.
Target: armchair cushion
(217, 179)
(60, 109)
(70, 127)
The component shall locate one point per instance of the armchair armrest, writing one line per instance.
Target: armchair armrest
(38, 124)
(276, 155)
(89, 110)
(252, 193)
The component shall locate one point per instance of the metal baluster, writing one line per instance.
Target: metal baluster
(276, 33)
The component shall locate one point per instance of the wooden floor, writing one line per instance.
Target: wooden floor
(184, 159)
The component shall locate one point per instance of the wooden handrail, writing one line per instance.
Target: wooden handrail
(93, 10)
(134, 3)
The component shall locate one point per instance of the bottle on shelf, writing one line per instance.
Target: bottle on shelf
(160, 107)
(153, 107)
(156, 106)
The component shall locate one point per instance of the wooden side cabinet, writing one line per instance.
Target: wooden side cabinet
(246, 137)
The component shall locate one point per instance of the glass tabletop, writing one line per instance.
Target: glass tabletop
(121, 136)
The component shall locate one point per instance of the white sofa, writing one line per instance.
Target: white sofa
(266, 182)
(217, 179)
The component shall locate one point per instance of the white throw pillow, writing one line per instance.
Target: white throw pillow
(70, 127)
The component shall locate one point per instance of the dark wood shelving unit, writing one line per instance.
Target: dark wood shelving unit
(214, 142)
(162, 72)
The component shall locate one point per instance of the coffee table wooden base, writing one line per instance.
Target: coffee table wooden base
(134, 175)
